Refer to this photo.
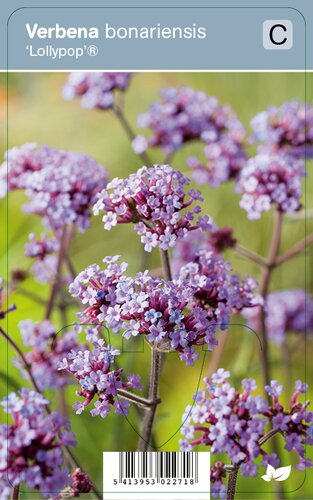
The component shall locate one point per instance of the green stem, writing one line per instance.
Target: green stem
(130, 133)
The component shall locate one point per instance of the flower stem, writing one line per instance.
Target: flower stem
(56, 284)
(295, 250)
(146, 431)
(130, 133)
(22, 357)
(231, 485)
(133, 398)
(166, 265)
(264, 288)
(15, 492)
(250, 255)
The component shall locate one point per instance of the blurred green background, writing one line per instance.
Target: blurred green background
(37, 113)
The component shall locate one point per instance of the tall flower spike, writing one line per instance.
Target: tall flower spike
(269, 180)
(31, 451)
(286, 311)
(287, 129)
(155, 200)
(97, 90)
(233, 422)
(61, 186)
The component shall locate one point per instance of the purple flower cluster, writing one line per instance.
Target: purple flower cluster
(285, 311)
(80, 483)
(96, 376)
(217, 240)
(155, 200)
(269, 179)
(234, 423)
(217, 290)
(287, 129)
(97, 90)
(4, 312)
(31, 450)
(224, 152)
(183, 115)
(48, 349)
(61, 186)
(174, 315)
(43, 251)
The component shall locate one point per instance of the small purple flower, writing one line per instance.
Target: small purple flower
(249, 469)
(274, 389)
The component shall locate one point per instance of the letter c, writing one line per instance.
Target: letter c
(271, 33)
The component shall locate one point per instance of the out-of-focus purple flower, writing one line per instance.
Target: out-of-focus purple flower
(235, 423)
(176, 315)
(287, 129)
(286, 311)
(80, 483)
(42, 249)
(31, 450)
(4, 312)
(61, 186)
(216, 289)
(97, 378)
(267, 180)
(48, 349)
(155, 200)
(217, 240)
(97, 90)
(184, 114)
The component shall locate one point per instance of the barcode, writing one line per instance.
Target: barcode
(156, 475)
(158, 465)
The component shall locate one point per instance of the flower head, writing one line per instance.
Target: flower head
(268, 180)
(235, 423)
(97, 378)
(155, 200)
(48, 349)
(216, 240)
(61, 186)
(178, 315)
(287, 129)
(96, 90)
(184, 114)
(32, 453)
(285, 311)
